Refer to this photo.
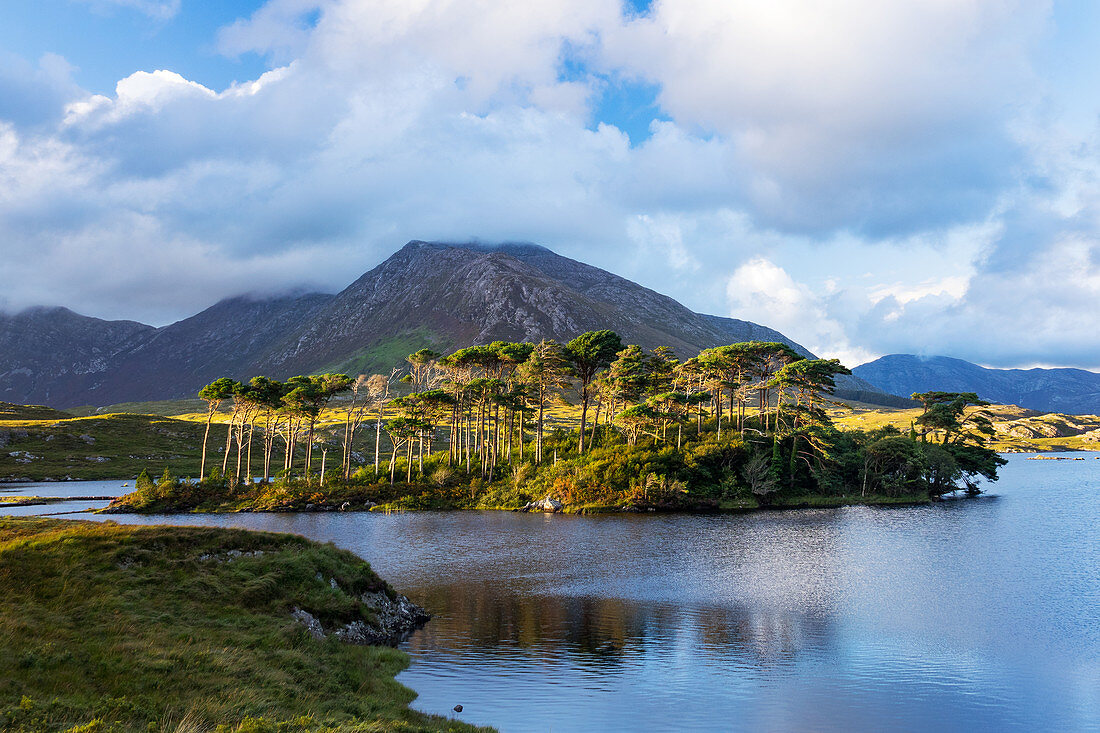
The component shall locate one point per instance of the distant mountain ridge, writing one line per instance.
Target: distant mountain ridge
(1069, 391)
(427, 294)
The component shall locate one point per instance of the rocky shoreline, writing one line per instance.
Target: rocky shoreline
(394, 620)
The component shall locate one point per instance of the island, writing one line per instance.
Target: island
(587, 426)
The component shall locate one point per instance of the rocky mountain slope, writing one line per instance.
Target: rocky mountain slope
(427, 294)
(1070, 391)
(57, 357)
(453, 295)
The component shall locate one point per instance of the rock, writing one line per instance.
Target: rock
(545, 505)
(394, 620)
(22, 456)
(313, 626)
(457, 708)
(229, 555)
(88, 439)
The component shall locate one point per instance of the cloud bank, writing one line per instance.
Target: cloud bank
(866, 177)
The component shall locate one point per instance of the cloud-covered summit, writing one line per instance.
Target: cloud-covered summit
(866, 177)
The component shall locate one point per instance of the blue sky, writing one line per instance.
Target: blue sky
(107, 42)
(866, 177)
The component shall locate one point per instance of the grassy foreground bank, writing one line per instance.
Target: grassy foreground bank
(116, 628)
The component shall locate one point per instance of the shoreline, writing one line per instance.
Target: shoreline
(797, 503)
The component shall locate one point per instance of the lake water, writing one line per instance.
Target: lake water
(978, 615)
(58, 489)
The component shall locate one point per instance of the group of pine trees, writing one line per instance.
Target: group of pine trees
(489, 405)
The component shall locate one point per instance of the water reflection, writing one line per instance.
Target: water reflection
(604, 632)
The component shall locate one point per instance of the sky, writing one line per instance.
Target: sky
(868, 177)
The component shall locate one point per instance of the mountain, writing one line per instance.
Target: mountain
(57, 357)
(428, 294)
(452, 295)
(1069, 391)
(234, 337)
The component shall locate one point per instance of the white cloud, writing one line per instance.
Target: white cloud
(805, 145)
(141, 92)
(761, 291)
(859, 113)
(952, 287)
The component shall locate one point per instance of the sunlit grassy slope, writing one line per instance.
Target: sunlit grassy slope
(39, 443)
(1018, 429)
(150, 628)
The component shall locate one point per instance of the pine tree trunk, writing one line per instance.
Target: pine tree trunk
(378, 438)
(595, 422)
(538, 447)
(228, 444)
(202, 464)
(251, 437)
(584, 417)
(240, 441)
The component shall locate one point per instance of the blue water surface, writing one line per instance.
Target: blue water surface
(975, 615)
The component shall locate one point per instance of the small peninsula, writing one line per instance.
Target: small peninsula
(177, 628)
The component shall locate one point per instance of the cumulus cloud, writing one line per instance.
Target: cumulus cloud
(760, 290)
(858, 114)
(864, 178)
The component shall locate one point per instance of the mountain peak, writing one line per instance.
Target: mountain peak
(442, 295)
(511, 248)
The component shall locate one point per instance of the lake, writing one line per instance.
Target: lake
(59, 489)
(969, 615)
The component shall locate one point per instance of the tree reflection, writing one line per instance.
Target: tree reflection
(603, 633)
